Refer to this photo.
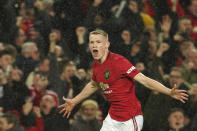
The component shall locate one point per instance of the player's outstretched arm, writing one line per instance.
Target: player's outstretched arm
(156, 86)
(89, 89)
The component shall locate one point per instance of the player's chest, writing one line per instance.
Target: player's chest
(106, 74)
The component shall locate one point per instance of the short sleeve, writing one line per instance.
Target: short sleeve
(126, 68)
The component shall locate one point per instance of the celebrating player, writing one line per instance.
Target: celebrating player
(115, 75)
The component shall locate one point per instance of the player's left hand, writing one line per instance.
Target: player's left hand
(180, 95)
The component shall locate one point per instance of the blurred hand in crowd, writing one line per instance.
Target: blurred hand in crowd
(140, 66)
(163, 47)
(80, 32)
(97, 2)
(53, 39)
(36, 110)
(114, 8)
(27, 107)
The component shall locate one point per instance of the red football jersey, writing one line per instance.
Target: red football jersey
(115, 77)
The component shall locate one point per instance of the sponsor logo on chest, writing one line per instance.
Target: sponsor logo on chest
(103, 86)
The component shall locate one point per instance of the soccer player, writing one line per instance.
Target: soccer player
(115, 75)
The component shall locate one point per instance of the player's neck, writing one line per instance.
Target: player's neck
(102, 60)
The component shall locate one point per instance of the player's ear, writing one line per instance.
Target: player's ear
(108, 44)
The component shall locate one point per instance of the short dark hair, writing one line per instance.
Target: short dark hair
(176, 110)
(178, 69)
(5, 52)
(42, 74)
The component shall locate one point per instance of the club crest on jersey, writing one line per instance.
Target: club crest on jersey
(106, 74)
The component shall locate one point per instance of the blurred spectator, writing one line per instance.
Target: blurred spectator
(56, 83)
(193, 94)
(176, 78)
(190, 68)
(53, 121)
(10, 122)
(31, 118)
(17, 39)
(184, 29)
(62, 43)
(28, 59)
(6, 61)
(155, 106)
(79, 45)
(190, 11)
(20, 91)
(124, 46)
(96, 14)
(7, 20)
(134, 53)
(43, 66)
(175, 120)
(130, 15)
(87, 121)
(39, 88)
(7, 97)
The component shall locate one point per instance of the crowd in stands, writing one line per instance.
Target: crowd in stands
(44, 57)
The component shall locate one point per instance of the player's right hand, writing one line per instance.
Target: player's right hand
(67, 107)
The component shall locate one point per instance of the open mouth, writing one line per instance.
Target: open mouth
(177, 123)
(95, 51)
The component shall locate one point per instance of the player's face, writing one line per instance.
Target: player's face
(98, 45)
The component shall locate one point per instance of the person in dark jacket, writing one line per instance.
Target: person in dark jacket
(175, 120)
(53, 121)
(87, 121)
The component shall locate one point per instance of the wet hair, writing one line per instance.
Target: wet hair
(100, 32)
